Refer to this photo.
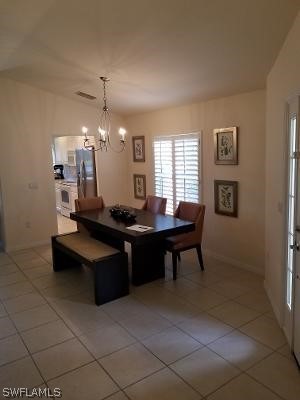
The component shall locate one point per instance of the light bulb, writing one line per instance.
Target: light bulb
(102, 134)
(122, 133)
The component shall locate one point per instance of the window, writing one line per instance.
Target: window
(176, 169)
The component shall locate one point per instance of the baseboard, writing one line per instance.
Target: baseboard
(276, 310)
(10, 249)
(280, 315)
(233, 262)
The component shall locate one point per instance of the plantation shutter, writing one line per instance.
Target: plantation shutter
(176, 169)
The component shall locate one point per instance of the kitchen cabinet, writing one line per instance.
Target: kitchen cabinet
(66, 144)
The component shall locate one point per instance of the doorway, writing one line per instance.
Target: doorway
(292, 298)
(75, 176)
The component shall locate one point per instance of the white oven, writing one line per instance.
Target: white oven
(68, 194)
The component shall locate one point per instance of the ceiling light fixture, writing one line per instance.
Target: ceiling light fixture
(103, 135)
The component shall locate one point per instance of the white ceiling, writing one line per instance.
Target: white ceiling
(158, 53)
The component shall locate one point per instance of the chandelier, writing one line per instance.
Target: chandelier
(103, 136)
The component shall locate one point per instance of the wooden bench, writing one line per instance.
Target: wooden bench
(110, 266)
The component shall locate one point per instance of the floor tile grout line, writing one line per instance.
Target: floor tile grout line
(108, 397)
(13, 361)
(33, 353)
(59, 318)
(26, 309)
(35, 326)
(161, 315)
(133, 383)
(235, 327)
(29, 354)
(19, 295)
(259, 341)
(264, 385)
(250, 337)
(205, 345)
(236, 366)
(241, 371)
(186, 382)
(129, 331)
(207, 309)
(165, 365)
(173, 324)
(47, 381)
(75, 336)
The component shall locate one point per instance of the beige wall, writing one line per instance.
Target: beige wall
(29, 119)
(283, 82)
(237, 240)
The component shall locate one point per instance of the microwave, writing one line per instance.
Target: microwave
(71, 157)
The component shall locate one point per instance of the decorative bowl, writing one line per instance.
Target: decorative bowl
(122, 213)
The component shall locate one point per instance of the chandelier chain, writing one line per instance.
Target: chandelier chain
(104, 95)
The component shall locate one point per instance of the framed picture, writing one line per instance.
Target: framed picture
(138, 145)
(226, 198)
(226, 145)
(139, 183)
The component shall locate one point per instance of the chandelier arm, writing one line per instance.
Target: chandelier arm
(108, 139)
(90, 147)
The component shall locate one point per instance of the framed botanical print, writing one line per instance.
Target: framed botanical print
(226, 198)
(139, 184)
(138, 146)
(226, 145)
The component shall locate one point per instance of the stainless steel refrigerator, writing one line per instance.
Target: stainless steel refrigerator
(86, 173)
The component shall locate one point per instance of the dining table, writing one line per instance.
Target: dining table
(147, 245)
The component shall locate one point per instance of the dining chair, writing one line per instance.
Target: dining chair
(176, 244)
(87, 203)
(155, 204)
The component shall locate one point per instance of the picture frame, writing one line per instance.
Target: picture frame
(139, 184)
(138, 146)
(226, 146)
(226, 198)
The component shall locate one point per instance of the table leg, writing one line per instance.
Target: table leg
(148, 262)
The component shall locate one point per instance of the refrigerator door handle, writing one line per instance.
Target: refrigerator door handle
(80, 183)
(83, 178)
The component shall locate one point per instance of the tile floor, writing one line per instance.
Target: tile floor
(209, 335)
(64, 224)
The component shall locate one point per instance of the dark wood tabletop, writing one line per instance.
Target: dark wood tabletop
(147, 248)
(163, 225)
